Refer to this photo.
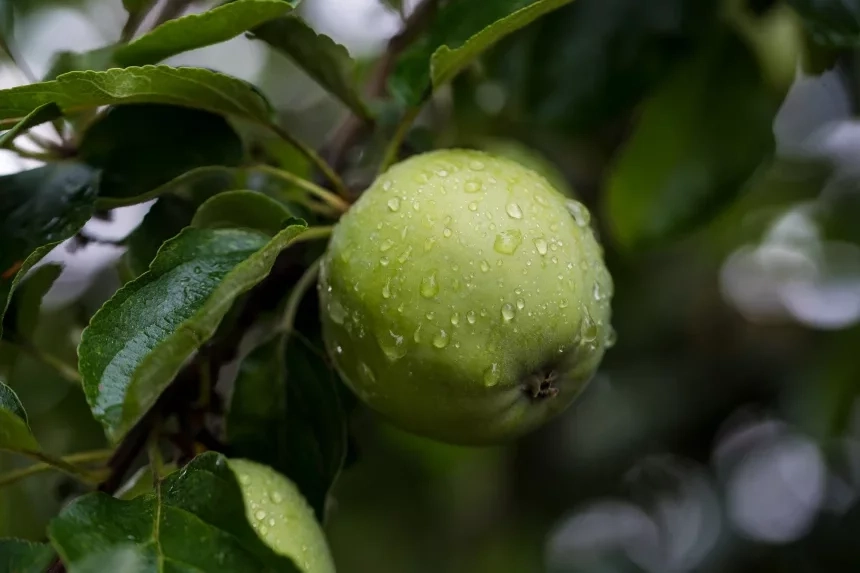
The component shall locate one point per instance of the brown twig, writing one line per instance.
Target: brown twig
(353, 128)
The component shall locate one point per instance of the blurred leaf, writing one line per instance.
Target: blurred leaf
(322, 58)
(137, 342)
(165, 219)
(40, 115)
(95, 60)
(142, 482)
(244, 210)
(194, 521)
(15, 434)
(167, 142)
(460, 32)
(285, 413)
(22, 316)
(595, 59)
(135, 6)
(18, 556)
(199, 30)
(39, 209)
(699, 139)
(188, 87)
(831, 22)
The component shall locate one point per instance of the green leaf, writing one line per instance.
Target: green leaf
(187, 87)
(168, 141)
(831, 22)
(137, 342)
(194, 521)
(699, 139)
(22, 316)
(18, 556)
(285, 413)
(15, 434)
(97, 60)
(244, 210)
(39, 209)
(319, 56)
(461, 31)
(40, 115)
(198, 30)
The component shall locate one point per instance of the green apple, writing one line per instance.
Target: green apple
(464, 298)
(528, 157)
(282, 517)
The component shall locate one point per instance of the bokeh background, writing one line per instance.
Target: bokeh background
(722, 433)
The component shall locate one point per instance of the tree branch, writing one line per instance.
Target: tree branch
(353, 128)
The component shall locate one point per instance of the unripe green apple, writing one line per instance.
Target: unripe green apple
(464, 298)
(282, 517)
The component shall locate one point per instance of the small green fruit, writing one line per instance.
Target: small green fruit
(464, 298)
(281, 516)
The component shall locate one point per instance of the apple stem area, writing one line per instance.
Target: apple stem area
(541, 384)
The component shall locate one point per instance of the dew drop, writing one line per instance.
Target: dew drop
(485, 266)
(387, 185)
(555, 260)
(386, 245)
(416, 336)
(476, 165)
(540, 199)
(386, 290)
(405, 255)
(264, 530)
(394, 204)
(588, 328)
(366, 373)
(384, 261)
(272, 522)
(513, 210)
(446, 232)
(596, 292)
(429, 286)
(336, 311)
(428, 244)
(521, 304)
(470, 316)
(507, 242)
(276, 497)
(392, 345)
(563, 303)
(508, 312)
(540, 245)
(553, 227)
(472, 186)
(473, 206)
(492, 375)
(245, 479)
(578, 211)
(416, 206)
(260, 515)
(455, 319)
(430, 315)
(611, 337)
(441, 339)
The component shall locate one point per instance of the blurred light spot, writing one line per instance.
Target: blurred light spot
(813, 107)
(239, 57)
(490, 97)
(602, 526)
(675, 536)
(775, 480)
(55, 29)
(830, 298)
(363, 26)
